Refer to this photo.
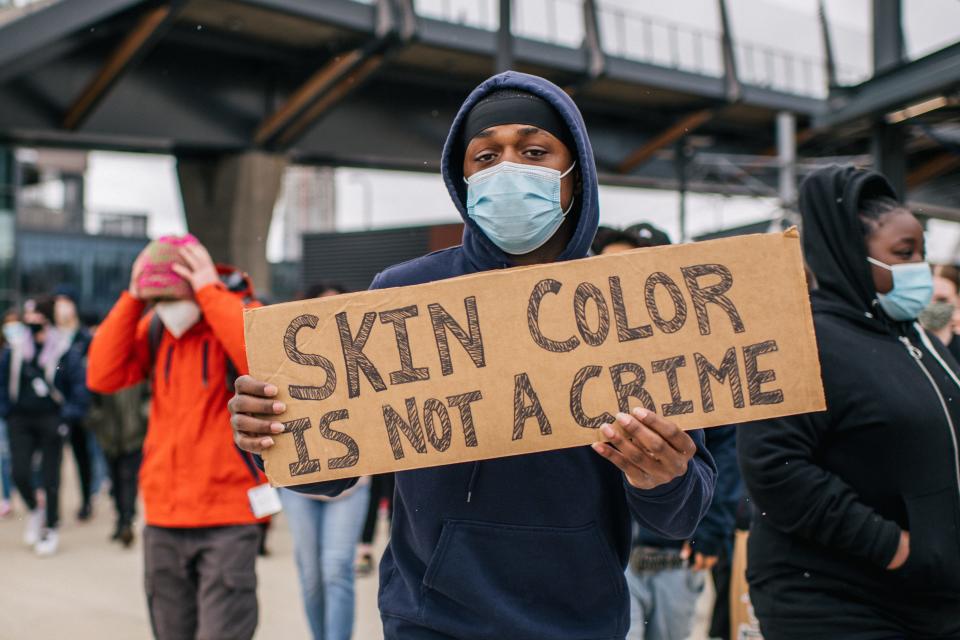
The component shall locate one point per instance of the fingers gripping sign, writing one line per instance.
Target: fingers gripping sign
(650, 450)
(250, 411)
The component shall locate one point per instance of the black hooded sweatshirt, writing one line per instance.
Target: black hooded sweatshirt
(833, 490)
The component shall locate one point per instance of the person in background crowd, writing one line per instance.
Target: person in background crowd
(11, 331)
(325, 532)
(381, 491)
(942, 315)
(66, 318)
(42, 390)
(201, 539)
(665, 576)
(857, 508)
(119, 422)
(528, 546)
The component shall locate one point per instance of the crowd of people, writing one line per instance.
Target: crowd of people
(853, 513)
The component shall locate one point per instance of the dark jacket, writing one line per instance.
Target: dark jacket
(119, 420)
(715, 533)
(833, 490)
(68, 379)
(525, 547)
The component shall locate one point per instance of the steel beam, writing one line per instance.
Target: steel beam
(731, 80)
(137, 43)
(355, 16)
(27, 42)
(887, 35)
(343, 87)
(682, 127)
(505, 37)
(938, 165)
(931, 75)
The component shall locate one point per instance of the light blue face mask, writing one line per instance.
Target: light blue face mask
(912, 289)
(517, 206)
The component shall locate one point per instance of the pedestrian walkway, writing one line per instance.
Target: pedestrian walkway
(93, 589)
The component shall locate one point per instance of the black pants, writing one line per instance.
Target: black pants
(28, 435)
(202, 583)
(381, 486)
(720, 618)
(79, 442)
(123, 471)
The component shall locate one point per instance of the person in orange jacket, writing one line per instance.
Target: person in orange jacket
(201, 536)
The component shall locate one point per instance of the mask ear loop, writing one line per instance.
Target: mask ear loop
(573, 199)
(876, 262)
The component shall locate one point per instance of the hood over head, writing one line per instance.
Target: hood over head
(478, 248)
(833, 244)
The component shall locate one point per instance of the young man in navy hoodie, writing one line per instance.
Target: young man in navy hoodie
(533, 546)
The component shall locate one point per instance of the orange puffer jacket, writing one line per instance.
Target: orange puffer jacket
(192, 473)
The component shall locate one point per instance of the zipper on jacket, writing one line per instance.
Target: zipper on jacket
(166, 368)
(918, 358)
(206, 359)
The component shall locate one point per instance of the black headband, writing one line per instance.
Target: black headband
(516, 107)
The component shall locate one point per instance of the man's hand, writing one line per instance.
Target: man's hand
(134, 288)
(650, 450)
(903, 552)
(253, 401)
(700, 561)
(199, 270)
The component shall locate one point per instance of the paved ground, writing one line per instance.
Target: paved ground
(92, 590)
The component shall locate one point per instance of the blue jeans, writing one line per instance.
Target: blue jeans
(325, 535)
(6, 477)
(663, 603)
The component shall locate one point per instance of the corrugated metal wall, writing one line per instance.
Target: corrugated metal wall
(354, 258)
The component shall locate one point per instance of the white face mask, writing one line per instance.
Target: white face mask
(178, 315)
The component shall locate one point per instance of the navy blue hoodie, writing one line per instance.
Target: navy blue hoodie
(526, 547)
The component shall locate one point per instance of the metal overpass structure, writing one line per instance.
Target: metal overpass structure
(236, 89)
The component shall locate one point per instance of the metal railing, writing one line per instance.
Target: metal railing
(627, 33)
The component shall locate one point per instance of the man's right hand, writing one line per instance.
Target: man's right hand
(248, 407)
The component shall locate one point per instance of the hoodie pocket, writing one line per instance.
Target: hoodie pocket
(934, 560)
(489, 580)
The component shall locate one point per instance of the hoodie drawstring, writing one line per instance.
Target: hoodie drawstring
(473, 480)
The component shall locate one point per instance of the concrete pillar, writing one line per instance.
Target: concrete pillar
(229, 200)
(8, 211)
(888, 140)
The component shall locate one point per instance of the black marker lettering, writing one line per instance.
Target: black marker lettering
(462, 403)
(533, 319)
(472, 342)
(632, 389)
(576, 399)
(353, 355)
(714, 293)
(395, 424)
(302, 392)
(523, 390)
(585, 291)
(728, 371)
(756, 378)
(679, 305)
(439, 441)
(305, 464)
(669, 366)
(352, 456)
(625, 332)
(407, 373)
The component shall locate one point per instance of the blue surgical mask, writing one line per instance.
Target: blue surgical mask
(912, 289)
(517, 206)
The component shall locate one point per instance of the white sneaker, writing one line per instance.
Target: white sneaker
(48, 543)
(35, 519)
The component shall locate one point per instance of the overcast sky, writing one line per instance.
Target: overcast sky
(147, 183)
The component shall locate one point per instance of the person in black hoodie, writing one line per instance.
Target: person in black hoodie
(529, 547)
(857, 509)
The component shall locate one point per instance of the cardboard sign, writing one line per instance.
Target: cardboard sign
(531, 359)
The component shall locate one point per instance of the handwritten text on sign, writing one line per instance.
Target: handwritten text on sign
(537, 358)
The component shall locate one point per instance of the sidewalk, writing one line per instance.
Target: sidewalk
(93, 589)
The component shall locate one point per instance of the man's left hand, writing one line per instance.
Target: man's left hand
(199, 270)
(700, 562)
(650, 450)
